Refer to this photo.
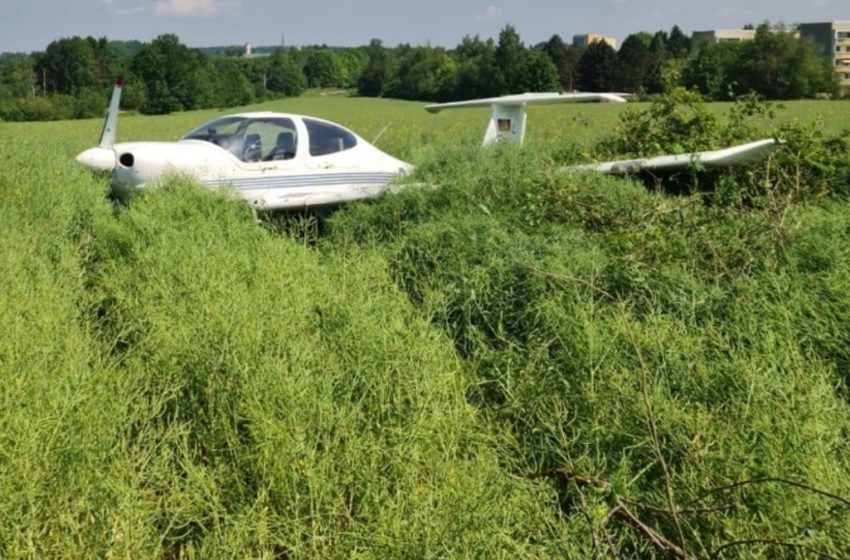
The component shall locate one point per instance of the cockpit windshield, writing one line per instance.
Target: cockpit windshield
(251, 139)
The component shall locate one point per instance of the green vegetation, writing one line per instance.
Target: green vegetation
(518, 364)
(775, 64)
(73, 77)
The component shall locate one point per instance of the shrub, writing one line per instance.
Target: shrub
(810, 164)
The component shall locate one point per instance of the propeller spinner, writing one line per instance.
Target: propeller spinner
(102, 157)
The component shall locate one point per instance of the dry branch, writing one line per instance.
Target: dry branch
(659, 541)
(772, 479)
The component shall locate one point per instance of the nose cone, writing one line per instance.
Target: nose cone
(98, 159)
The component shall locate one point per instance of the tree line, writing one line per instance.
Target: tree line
(73, 76)
(774, 65)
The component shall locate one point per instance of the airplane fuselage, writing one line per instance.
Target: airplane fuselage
(272, 160)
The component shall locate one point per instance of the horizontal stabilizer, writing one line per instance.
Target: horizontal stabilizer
(507, 113)
(725, 157)
(522, 99)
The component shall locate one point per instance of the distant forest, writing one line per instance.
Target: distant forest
(73, 76)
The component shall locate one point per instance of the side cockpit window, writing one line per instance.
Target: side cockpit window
(327, 138)
(251, 139)
(269, 139)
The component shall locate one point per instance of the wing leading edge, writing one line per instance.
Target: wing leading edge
(725, 157)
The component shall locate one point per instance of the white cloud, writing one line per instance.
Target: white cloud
(492, 12)
(192, 8)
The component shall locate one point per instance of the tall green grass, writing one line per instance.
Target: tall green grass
(663, 344)
(178, 382)
(490, 368)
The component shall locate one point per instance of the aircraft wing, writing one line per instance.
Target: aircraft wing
(725, 157)
(522, 99)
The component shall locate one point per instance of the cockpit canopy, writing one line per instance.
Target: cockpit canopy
(270, 138)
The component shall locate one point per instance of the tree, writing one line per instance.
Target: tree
(233, 51)
(351, 65)
(123, 51)
(658, 57)
(678, 44)
(256, 70)
(565, 58)
(424, 73)
(778, 65)
(18, 77)
(477, 73)
(378, 71)
(598, 67)
(510, 57)
(72, 64)
(321, 69)
(176, 77)
(633, 62)
(540, 73)
(230, 86)
(474, 47)
(707, 70)
(134, 93)
(284, 77)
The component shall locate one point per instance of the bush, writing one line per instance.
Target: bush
(87, 104)
(811, 164)
(641, 349)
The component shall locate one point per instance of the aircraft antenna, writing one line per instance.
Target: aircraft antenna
(381, 133)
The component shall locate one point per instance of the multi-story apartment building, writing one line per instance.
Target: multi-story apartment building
(721, 36)
(589, 38)
(832, 40)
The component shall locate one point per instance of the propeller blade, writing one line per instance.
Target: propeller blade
(110, 126)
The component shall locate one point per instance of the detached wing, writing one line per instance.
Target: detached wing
(725, 157)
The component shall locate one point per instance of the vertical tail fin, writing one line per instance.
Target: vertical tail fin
(507, 124)
(110, 125)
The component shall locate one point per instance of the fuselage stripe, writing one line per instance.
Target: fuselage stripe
(295, 181)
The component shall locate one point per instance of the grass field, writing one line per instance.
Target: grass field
(519, 364)
(409, 129)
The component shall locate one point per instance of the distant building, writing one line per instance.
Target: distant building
(832, 41)
(248, 51)
(590, 38)
(699, 38)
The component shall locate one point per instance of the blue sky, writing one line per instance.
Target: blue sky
(27, 25)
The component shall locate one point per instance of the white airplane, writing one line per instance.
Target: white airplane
(272, 160)
(279, 161)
